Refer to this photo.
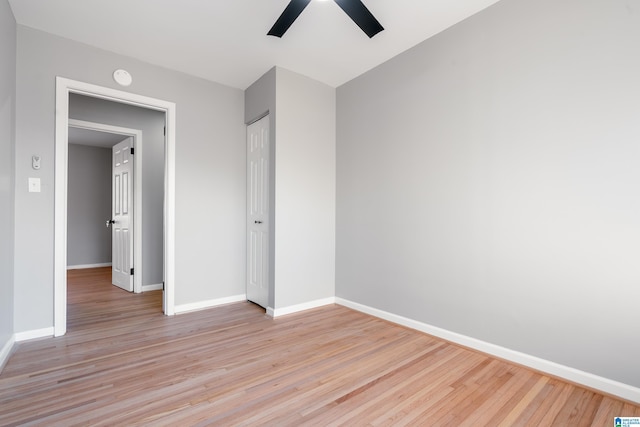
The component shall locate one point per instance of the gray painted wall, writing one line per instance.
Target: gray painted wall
(151, 123)
(302, 192)
(88, 205)
(488, 182)
(7, 138)
(305, 190)
(210, 171)
(260, 98)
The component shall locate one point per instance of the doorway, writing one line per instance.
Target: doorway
(105, 136)
(65, 87)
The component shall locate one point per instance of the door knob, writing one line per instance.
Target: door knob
(110, 221)
(257, 222)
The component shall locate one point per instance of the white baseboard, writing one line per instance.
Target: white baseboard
(83, 266)
(184, 308)
(5, 352)
(277, 312)
(156, 287)
(577, 376)
(37, 333)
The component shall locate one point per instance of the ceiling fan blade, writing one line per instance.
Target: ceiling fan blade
(290, 14)
(361, 16)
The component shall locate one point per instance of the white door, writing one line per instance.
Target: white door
(122, 215)
(258, 212)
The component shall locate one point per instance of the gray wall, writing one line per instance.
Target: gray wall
(151, 123)
(305, 190)
(302, 191)
(488, 182)
(88, 205)
(7, 137)
(210, 171)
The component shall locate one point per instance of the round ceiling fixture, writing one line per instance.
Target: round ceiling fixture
(122, 77)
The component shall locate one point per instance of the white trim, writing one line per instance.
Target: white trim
(137, 189)
(168, 296)
(6, 351)
(202, 305)
(85, 266)
(63, 88)
(36, 333)
(60, 209)
(577, 376)
(277, 312)
(156, 287)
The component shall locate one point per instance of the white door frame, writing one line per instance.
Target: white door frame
(137, 187)
(63, 88)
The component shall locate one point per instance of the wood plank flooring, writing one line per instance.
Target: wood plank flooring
(123, 363)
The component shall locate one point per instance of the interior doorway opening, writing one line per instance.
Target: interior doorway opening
(90, 212)
(64, 89)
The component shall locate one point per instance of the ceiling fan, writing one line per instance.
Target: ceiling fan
(357, 11)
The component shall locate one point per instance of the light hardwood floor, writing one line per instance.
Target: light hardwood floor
(123, 363)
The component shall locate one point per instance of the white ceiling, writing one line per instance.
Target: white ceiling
(225, 40)
(94, 138)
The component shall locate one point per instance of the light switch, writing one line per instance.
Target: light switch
(34, 185)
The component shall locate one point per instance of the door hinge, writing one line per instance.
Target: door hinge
(132, 151)
(165, 131)
(163, 286)
(131, 271)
